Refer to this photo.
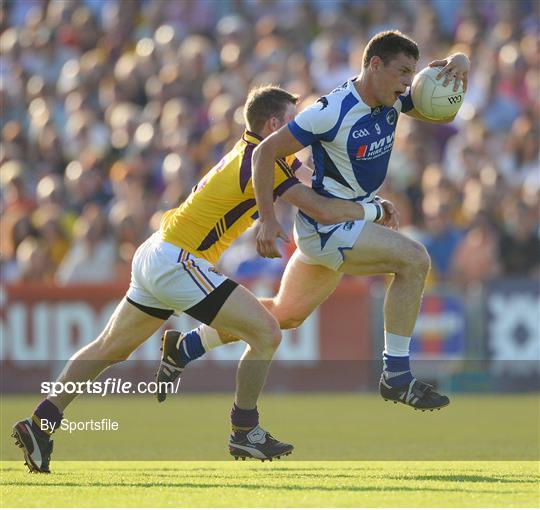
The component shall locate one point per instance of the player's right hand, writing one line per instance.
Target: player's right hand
(454, 67)
(269, 231)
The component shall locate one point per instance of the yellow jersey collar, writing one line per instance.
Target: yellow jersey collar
(251, 137)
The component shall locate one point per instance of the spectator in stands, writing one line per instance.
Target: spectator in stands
(476, 259)
(441, 237)
(92, 257)
(126, 108)
(519, 245)
(33, 263)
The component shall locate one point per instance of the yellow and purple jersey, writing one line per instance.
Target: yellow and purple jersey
(222, 206)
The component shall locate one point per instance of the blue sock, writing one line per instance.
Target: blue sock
(396, 370)
(191, 346)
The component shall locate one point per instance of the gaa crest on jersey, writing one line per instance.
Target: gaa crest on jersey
(391, 117)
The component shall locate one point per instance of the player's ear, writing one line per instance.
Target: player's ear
(274, 123)
(375, 62)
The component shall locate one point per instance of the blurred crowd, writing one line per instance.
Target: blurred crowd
(113, 109)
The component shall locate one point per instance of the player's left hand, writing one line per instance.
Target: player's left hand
(391, 215)
(455, 66)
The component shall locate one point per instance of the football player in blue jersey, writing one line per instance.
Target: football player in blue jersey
(351, 133)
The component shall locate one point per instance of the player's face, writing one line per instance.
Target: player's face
(290, 114)
(392, 79)
(276, 123)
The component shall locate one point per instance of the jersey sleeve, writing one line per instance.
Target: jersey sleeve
(312, 122)
(406, 102)
(293, 162)
(284, 177)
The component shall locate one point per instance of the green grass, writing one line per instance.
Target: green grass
(331, 426)
(280, 484)
(351, 450)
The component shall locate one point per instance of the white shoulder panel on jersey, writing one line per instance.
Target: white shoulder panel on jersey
(322, 115)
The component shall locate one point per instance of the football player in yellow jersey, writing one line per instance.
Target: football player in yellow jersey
(173, 271)
(222, 206)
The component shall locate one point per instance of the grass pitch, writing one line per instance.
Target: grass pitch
(280, 484)
(351, 451)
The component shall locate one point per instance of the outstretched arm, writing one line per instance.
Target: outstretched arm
(278, 145)
(329, 211)
(322, 209)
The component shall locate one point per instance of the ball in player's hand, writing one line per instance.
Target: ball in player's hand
(432, 99)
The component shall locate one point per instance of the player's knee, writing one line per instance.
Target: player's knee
(270, 333)
(227, 339)
(274, 336)
(422, 260)
(292, 322)
(415, 259)
(289, 317)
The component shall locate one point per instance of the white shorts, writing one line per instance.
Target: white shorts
(323, 245)
(166, 277)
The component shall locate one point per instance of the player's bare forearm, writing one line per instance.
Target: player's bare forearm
(337, 211)
(263, 181)
(322, 209)
(263, 161)
(276, 146)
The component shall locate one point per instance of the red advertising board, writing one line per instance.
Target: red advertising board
(47, 323)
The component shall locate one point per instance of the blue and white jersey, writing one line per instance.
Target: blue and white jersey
(351, 142)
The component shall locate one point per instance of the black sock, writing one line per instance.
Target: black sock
(243, 420)
(46, 418)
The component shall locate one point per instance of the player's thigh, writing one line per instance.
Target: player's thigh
(303, 288)
(129, 327)
(380, 250)
(243, 315)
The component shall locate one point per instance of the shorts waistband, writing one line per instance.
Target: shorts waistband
(170, 250)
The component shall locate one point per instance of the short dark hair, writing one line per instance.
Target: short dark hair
(388, 45)
(266, 102)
